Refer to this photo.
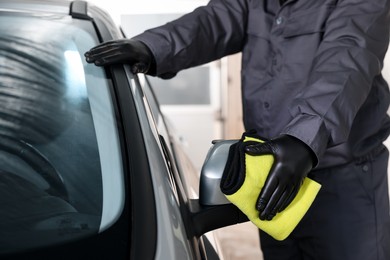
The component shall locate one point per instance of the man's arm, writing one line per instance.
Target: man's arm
(206, 34)
(350, 56)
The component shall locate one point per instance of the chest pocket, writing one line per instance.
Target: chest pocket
(307, 22)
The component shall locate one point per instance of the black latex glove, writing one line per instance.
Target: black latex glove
(123, 51)
(292, 162)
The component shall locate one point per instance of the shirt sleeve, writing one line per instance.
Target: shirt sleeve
(206, 34)
(348, 59)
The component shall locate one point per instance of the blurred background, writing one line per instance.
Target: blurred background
(202, 103)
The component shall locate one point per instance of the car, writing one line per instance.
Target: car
(89, 167)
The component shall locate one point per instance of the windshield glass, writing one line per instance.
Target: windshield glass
(60, 166)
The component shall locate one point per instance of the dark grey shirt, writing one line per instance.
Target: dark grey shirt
(310, 68)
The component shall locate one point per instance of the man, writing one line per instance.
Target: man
(312, 85)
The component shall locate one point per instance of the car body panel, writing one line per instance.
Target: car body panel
(172, 241)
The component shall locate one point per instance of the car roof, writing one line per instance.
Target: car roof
(78, 9)
(52, 6)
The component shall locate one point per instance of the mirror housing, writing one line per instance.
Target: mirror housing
(213, 210)
(210, 177)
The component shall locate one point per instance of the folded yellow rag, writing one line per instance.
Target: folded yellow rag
(244, 177)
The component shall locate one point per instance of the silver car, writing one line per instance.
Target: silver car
(88, 167)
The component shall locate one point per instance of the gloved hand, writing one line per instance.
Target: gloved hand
(124, 51)
(292, 162)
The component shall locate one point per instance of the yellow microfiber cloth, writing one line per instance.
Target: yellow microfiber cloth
(244, 177)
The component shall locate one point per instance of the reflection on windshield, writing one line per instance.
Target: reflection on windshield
(32, 95)
(50, 164)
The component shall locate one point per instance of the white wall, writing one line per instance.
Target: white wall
(116, 8)
(386, 74)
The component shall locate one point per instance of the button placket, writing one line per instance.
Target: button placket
(279, 20)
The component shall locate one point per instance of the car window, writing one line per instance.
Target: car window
(171, 141)
(60, 164)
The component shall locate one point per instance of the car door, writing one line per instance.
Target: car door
(182, 172)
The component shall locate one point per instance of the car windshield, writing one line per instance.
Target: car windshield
(60, 164)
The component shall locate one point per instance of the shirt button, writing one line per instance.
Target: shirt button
(279, 20)
(266, 104)
(365, 168)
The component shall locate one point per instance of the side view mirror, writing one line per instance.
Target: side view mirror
(212, 210)
(211, 174)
